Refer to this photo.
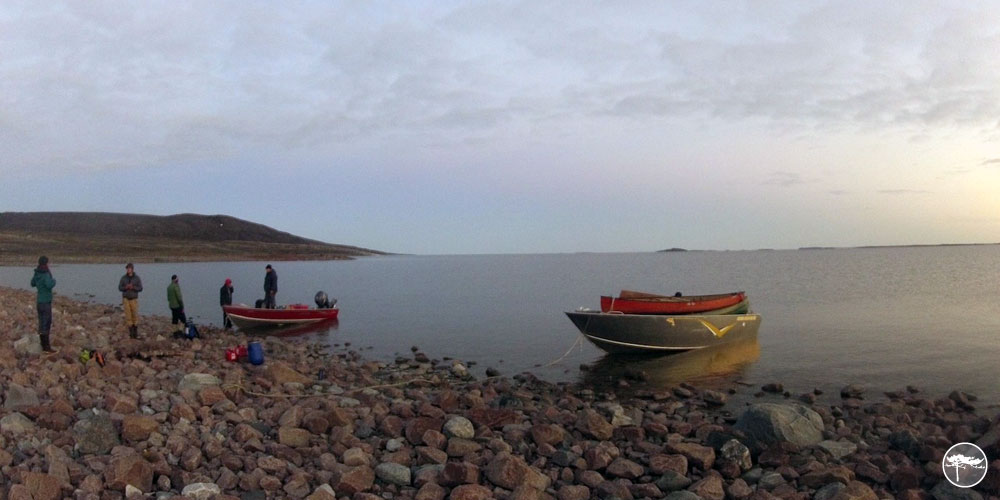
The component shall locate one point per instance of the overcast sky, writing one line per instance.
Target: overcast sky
(514, 126)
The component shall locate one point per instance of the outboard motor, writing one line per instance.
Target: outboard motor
(322, 301)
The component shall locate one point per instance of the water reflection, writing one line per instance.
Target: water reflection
(295, 330)
(711, 365)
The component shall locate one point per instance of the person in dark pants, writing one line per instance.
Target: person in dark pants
(270, 287)
(44, 282)
(176, 302)
(226, 299)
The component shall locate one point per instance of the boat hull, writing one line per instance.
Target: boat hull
(252, 317)
(620, 333)
(632, 303)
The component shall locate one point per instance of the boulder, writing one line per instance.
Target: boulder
(459, 427)
(947, 491)
(471, 492)
(280, 373)
(16, 424)
(138, 427)
(838, 449)
(201, 491)
(766, 424)
(95, 433)
(736, 452)
(393, 473)
(42, 486)
(28, 344)
(593, 424)
(130, 469)
(855, 490)
(508, 471)
(19, 397)
(195, 382)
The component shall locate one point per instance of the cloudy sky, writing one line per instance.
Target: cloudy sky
(514, 126)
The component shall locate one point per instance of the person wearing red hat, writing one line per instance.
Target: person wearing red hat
(226, 299)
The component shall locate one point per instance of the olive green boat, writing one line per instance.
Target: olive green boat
(616, 333)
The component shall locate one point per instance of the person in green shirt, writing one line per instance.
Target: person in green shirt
(176, 302)
(44, 282)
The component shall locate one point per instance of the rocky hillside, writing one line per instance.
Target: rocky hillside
(110, 237)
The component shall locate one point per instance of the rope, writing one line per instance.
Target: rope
(560, 358)
(248, 392)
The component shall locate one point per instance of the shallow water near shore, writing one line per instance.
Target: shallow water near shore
(883, 318)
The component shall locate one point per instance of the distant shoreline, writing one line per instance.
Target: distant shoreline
(21, 249)
(927, 245)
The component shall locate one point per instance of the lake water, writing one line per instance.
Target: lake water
(880, 317)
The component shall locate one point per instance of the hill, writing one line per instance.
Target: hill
(112, 237)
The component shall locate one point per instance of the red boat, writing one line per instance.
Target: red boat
(250, 317)
(647, 303)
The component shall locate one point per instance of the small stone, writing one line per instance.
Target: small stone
(393, 473)
(714, 397)
(195, 382)
(672, 481)
(201, 491)
(471, 492)
(838, 449)
(737, 452)
(738, 489)
(709, 488)
(852, 391)
(459, 427)
(829, 491)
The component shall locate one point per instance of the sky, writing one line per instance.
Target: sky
(471, 127)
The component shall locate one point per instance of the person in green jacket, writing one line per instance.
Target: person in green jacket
(44, 282)
(176, 302)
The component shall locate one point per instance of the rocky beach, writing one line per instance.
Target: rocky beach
(170, 418)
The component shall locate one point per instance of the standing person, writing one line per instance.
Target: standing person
(44, 282)
(176, 302)
(226, 299)
(270, 287)
(130, 285)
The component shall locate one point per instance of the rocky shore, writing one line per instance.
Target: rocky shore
(170, 418)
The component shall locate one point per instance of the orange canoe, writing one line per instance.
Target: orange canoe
(646, 303)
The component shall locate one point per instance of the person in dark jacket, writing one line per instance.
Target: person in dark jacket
(130, 285)
(270, 287)
(226, 299)
(44, 282)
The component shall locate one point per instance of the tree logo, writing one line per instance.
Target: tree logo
(964, 465)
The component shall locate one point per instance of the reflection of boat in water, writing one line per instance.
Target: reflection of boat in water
(294, 330)
(663, 333)
(715, 362)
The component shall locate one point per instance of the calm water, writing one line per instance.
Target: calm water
(883, 318)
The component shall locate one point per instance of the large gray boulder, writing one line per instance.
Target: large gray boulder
(767, 424)
(95, 434)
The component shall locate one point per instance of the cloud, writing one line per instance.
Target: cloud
(992, 162)
(784, 179)
(159, 84)
(903, 192)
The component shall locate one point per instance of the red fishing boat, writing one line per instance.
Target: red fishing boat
(245, 316)
(250, 317)
(629, 302)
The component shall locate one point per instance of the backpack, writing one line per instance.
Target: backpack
(190, 331)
